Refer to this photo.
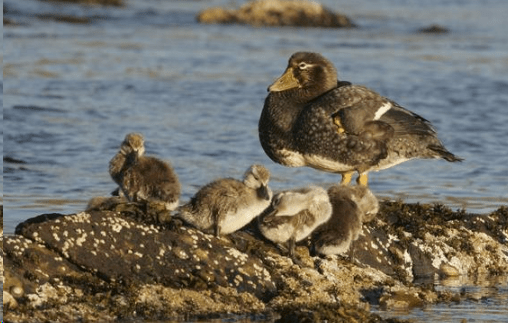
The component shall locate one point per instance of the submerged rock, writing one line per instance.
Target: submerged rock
(300, 13)
(66, 18)
(92, 2)
(108, 265)
(434, 29)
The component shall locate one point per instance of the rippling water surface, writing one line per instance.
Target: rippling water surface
(72, 91)
(484, 299)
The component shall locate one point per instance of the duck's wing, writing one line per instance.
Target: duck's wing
(405, 122)
(316, 134)
(358, 109)
(351, 107)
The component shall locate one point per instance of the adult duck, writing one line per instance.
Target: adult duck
(311, 119)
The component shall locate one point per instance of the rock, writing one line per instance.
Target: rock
(8, 22)
(434, 29)
(413, 240)
(93, 2)
(400, 300)
(217, 15)
(300, 13)
(108, 265)
(448, 270)
(11, 160)
(66, 18)
(121, 250)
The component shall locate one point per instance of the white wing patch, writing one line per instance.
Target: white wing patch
(382, 110)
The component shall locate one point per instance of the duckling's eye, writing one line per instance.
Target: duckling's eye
(303, 66)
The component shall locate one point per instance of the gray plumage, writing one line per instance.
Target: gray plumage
(293, 215)
(311, 119)
(226, 205)
(352, 206)
(142, 178)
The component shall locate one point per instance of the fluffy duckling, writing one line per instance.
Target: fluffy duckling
(226, 205)
(142, 178)
(293, 215)
(311, 119)
(352, 206)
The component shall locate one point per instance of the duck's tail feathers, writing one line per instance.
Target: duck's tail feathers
(445, 154)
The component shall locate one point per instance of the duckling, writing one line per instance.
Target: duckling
(226, 205)
(352, 206)
(142, 178)
(311, 119)
(293, 215)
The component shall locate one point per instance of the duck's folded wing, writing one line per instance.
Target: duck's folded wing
(406, 122)
(352, 107)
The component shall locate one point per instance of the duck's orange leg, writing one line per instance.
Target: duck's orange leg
(363, 179)
(346, 178)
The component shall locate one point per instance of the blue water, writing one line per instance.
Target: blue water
(71, 92)
(483, 299)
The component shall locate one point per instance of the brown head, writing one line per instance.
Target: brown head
(310, 73)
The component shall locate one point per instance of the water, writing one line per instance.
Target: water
(71, 92)
(484, 299)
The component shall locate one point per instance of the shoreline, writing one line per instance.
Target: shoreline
(114, 265)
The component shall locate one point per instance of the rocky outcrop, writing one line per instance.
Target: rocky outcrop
(93, 2)
(120, 264)
(300, 13)
(414, 241)
(434, 29)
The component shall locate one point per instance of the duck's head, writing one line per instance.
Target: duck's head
(257, 177)
(366, 201)
(361, 195)
(133, 143)
(286, 204)
(310, 72)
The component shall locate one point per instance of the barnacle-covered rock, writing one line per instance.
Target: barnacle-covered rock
(121, 250)
(115, 262)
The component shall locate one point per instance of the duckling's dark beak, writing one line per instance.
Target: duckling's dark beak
(285, 82)
(263, 192)
(267, 215)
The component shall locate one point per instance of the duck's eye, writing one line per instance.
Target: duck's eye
(303, 65)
